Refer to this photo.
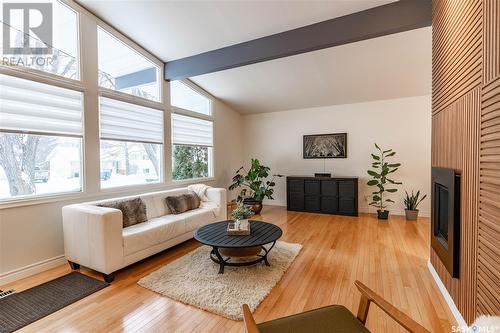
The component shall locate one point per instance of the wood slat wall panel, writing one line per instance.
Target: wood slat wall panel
(455, 144)
(466, 137)
(457, 50)
(491, 40)
(488, 279)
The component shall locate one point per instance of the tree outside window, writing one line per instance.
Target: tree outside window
(190, 162)
(33, 164)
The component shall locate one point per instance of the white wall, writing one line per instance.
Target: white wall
(228, 144)
(401, 124)
(32, 235)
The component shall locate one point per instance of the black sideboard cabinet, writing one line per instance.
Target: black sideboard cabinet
(330, 195)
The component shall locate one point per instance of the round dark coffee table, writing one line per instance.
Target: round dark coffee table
(215, 235)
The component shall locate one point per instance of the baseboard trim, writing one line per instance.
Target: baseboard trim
(32, 269)
(447, 297)
(274, 203)
(399, 212)
(363, 210)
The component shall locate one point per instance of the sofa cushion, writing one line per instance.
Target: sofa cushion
(182, 203)
(155, 231)
(197, 218)
(210, 206)
(155, 204)
(133, 210)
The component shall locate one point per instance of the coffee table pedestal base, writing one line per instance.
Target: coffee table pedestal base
(217, 257)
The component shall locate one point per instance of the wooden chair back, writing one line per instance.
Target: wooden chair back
(367, 297)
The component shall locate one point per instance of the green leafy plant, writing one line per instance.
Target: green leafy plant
(242, 212)
(380, 177)
(254, 181)
(412, 201)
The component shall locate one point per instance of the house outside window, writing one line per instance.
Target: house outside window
(40, 139)
(131, 144)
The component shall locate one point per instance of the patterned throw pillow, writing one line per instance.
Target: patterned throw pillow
(182, 203)
(133, 210)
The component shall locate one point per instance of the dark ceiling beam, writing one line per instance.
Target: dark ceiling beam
(379, 21)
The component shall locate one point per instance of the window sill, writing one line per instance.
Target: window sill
(128, 188)
(102, 194)
(40, 200)
(193, 181)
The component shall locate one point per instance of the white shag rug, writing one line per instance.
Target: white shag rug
(193, 279)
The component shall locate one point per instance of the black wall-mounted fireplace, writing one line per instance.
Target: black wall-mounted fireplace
(445, 217)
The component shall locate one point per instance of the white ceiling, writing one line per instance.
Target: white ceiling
(176, 29)
(392, 66)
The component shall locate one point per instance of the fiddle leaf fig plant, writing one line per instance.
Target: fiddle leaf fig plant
(254, 182)
(380, 173)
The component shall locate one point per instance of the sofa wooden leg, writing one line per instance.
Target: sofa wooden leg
(73, 265)
(108, 277)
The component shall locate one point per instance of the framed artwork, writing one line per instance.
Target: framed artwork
(325, 146)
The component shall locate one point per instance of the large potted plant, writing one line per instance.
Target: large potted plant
(255, 185)
(381, 169)
(411, 205)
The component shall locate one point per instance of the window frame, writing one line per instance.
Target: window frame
(193, 114)
(61, 82)
(145, 103)
(87, 24)
(134, 48)
(40, 76)
(29, 71)
(191, 85)
(132, 99)
(129, 98)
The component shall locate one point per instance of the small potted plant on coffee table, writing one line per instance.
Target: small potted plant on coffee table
(241, 213)
(240, 216)
(411, 204)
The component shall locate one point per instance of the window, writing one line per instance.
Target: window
(184, 97)
(131, 143)
(192, 140)
(40, 139)
(123, 69)
(63, 59)
(192, 132)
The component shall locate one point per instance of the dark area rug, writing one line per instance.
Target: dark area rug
(21, 309)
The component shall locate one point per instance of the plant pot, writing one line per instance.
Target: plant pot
(411, 215)
(256, 205)
(382, 214)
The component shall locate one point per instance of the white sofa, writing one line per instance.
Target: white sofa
(94, 236)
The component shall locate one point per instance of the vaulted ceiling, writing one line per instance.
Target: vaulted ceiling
(392, 66)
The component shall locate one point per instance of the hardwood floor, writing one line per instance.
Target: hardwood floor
(388, 256)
